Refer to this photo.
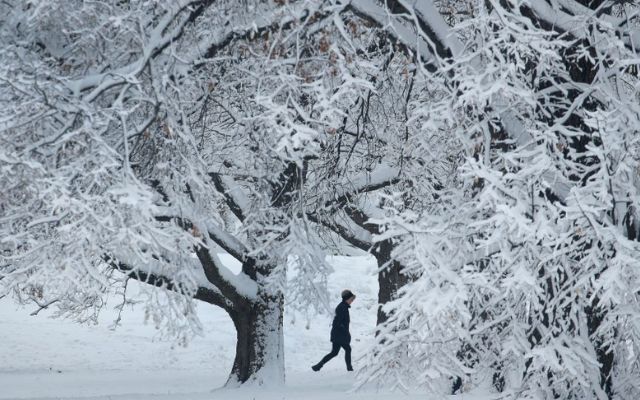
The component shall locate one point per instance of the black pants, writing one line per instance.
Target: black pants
(334, 352)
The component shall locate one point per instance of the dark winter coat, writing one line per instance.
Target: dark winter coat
(340, 328)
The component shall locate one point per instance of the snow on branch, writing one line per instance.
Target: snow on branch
(569, 16)
(433, 27)
(185, 219)
(300, 13)
(395, 24)
(235, 197)
(350, 232)
(382, 176)
(205, 292)
(231, 285)
(158, 40)
(227, 241)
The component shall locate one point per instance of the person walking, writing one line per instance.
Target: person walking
(340, 336)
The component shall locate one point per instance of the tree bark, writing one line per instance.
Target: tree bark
(260, 343)
(390, 277)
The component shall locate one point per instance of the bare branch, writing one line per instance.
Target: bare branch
(42, 306)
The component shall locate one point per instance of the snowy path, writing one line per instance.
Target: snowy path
(175, 385)
(44, 358)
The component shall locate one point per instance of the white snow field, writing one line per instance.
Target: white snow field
(46, 358)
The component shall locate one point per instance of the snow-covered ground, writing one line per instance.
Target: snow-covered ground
(46, 358)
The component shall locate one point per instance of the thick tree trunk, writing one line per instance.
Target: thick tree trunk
(260, 346)
(390, 277)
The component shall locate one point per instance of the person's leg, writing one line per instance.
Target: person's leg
(347, 356)
(334, 352)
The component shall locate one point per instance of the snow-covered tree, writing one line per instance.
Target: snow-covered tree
(154, 135)
(140, 138)
(484, 151)
(374, 151)
(525, 268)
(364, 154)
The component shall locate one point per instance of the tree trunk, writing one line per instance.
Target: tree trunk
(260, 346)
(390, 278)
(604, 352)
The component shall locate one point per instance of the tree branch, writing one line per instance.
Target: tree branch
(42, 306)
(367, 182)
(228, 242)
(408, 40)
(237, 288)
(446, 39)
(106, 80)
(223, 239)
(206, 294)
(236, 204)
(346, 233)
(258, 28)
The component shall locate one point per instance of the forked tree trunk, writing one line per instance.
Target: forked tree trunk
(260, 347)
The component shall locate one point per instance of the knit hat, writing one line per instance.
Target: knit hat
(347, 294)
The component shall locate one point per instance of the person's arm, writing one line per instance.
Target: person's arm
(347, 318)
(343, 318)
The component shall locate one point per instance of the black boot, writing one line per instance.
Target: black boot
(349, 368)
(316, 367)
